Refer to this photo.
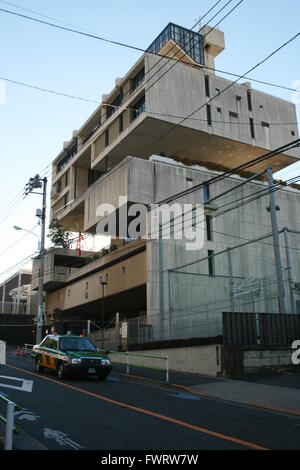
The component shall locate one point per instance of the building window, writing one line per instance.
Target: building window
(138, 79)
(67, 178)
(138, 108)
(208, 111)
(121, 123)
(211, 263)
(219, 110)
(234, 115)
(66, 199)
(252, 128)
(293, 133)
(189, 41)
(93, 175)
(206, 195)
(111, 109)
(69, 155)
(218, 91)
(207, 91)
(249, 98)
(265, 124)
(106, 137)
(58, 186)
(209, 228)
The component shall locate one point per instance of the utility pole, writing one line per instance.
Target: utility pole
(36, 183)
(103, 283)
(272, 209)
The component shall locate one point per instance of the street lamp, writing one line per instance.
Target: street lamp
(103, 283)
(34, 184)
(16, 227)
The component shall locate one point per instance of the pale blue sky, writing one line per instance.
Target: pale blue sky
(34, 125)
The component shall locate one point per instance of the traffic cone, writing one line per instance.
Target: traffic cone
(18, 351)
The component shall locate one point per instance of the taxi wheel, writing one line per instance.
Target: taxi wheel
(60, 372)
(38, 366)
(102, 378)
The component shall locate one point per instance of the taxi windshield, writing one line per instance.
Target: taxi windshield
(76, 344)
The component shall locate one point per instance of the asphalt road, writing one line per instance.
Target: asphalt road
(122, 414)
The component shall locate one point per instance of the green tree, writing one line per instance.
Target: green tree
(59, 235)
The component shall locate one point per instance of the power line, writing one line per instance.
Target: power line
(47, 90)
(17, 264)
(168, 59)
(230, 173)
(229, 86)
(233, 171)
(18, 241)
(17, 200)
(242, 202)
(264, 192)
(75, 31)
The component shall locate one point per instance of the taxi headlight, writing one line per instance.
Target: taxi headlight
(105, 362)
(76, 361)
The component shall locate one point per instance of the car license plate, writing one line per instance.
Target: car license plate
(92, 371)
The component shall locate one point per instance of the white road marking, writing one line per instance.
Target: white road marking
(27, 415)
(26, 385)
(61, 438)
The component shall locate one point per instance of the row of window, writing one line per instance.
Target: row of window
(136, 81)
(189, 41)
(69, 155)
(235, 115)
(137, 109)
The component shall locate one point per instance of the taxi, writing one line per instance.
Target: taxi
(70, 355)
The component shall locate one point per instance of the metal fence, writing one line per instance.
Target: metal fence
(264, 329)
(10, 428)
(22, 308)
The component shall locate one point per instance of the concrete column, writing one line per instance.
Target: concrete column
(231, 280)
(3, 297)
(18, 295)
(273, 208)
(290, 271)
(161, 283)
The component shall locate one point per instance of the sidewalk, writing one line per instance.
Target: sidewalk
(276, 392)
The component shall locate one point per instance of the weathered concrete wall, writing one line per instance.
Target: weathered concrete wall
(182, 91)
(122, 276)
(253, 361)
(247, 360)
(197, 360)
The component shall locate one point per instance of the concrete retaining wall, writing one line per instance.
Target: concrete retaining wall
(240, 360)
(197, 359)
(255, 360)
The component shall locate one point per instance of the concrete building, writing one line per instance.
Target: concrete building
(16, 294)
(128, 148)
(135, 117)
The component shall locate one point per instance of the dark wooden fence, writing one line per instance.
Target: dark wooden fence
(260, 328)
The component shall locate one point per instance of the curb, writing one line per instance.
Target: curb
(290, 412)
(187, 389)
